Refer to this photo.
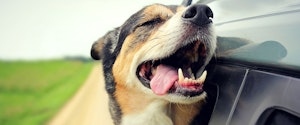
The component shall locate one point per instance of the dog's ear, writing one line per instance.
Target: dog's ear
(105, 45)
(186, 2)
(97, 47)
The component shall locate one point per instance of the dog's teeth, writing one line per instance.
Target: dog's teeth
(186, 80)
(180, 76)
(191, 73)
(193, 76)
(202, 78)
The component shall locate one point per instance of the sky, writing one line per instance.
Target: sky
(46, 29)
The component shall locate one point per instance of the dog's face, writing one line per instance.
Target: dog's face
(161, 51)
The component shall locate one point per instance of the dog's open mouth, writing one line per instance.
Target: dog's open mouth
(175, 74)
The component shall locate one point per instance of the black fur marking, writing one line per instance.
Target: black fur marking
(114, 110)
(126, 29)
(108, 60)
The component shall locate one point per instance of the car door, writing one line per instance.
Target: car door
(254, 78)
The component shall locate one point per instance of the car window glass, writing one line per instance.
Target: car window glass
(258, 31)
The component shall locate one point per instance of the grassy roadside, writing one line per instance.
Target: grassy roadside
(32, 92)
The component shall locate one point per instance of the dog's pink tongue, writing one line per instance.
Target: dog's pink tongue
(163, 79)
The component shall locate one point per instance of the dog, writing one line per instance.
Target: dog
(154, 64)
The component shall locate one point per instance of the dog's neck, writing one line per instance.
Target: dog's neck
(139, 109)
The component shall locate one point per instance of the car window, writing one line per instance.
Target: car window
(263, 32)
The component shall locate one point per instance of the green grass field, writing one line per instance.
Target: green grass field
(32, 92)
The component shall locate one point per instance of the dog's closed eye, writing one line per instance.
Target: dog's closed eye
(151, 22)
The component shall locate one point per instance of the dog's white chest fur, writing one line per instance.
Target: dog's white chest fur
(156, 113)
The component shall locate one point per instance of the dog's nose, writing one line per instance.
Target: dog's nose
(198, 14)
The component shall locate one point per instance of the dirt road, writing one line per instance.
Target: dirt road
(89, 106)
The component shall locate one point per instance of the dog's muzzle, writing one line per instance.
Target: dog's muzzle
(176, 73)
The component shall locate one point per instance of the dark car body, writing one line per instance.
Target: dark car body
(255, 77)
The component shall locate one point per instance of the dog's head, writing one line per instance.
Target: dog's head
(160, 50)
